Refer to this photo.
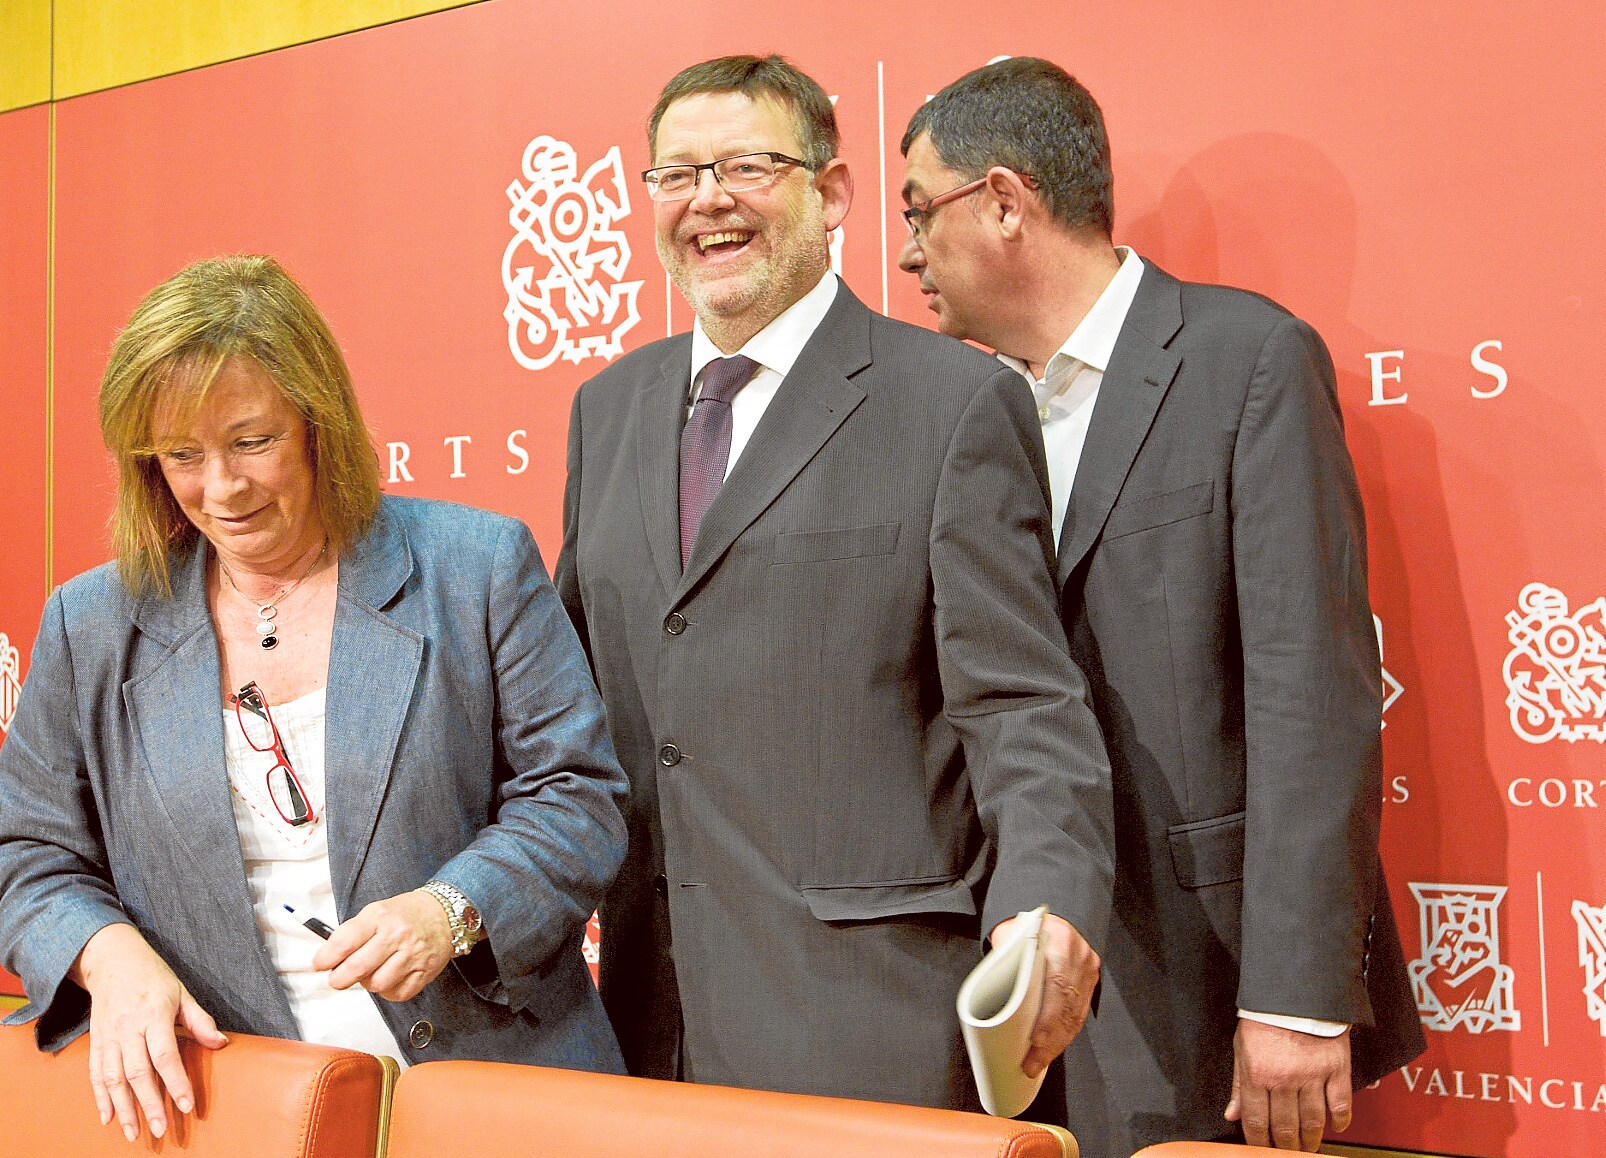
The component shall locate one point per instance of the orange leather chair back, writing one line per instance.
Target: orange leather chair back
(258, 1096)
(1205, 1150)
(492, 1110)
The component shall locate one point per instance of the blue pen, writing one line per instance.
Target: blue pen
(312, 923)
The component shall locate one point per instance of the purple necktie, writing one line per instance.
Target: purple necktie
(705, 444)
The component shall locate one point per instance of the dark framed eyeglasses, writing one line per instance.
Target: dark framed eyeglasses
(734, 174)
(251, 709)
(915, 216)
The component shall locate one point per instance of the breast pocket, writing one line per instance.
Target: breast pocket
(843, 543)
(1146, 512)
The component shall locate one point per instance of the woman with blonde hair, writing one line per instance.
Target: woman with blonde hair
(290, 692)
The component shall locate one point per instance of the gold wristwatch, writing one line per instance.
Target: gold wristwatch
(461, 915)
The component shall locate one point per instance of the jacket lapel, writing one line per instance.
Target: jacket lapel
(662, 414)
(373, 668)
(178, 713)
(1141, 370)
(812, 402)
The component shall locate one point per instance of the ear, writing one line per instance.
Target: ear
(1011, 201)
(835, 185)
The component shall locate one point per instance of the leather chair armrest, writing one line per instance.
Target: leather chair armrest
(257, 1096)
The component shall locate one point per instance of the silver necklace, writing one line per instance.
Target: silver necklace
(268, 613)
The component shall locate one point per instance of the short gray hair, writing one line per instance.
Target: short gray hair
(813, 117)
(1031, 116)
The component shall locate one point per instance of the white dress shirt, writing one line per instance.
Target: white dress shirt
(775, 348)
(1070, 383)
(1065, 397)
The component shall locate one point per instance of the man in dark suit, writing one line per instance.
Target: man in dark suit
(1212, 570)
(816, 585)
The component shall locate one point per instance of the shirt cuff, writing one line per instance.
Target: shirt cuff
(1298, 1024)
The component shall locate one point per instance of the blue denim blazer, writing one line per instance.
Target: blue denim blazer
(465, 741)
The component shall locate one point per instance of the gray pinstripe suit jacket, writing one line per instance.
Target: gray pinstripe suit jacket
(854, 737)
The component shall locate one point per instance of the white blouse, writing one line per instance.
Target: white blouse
(289, 865)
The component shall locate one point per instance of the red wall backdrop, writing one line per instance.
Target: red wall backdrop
(1418, 183)
(24, 270)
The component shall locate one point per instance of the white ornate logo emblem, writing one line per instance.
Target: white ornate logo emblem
(564, 269)
(1459, 980)
(1393, 689)
(10, 681)
(1592, 958)
(1556, 671)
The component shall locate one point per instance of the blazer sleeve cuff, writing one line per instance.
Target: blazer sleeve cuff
(59, 1007)
(496, 970)
(1086, 909)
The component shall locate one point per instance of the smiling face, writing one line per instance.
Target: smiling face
(741, 259)
(951, 257)
(240, 469)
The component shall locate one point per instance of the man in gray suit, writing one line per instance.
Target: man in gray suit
(1212, 571)
(816, 585)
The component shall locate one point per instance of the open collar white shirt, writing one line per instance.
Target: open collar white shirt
(775, 348)
(1070, 383)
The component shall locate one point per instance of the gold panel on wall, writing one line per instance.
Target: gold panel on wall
(25, 57)
(104, 43)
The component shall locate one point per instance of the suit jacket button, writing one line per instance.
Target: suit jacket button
(421, 1034)
(675, 624)
(660, 884)
(669, 755)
